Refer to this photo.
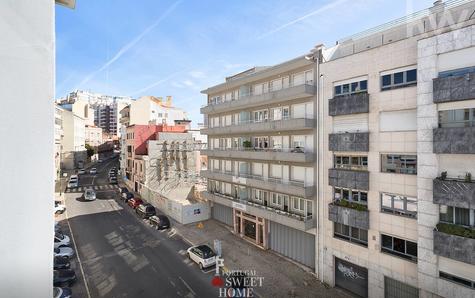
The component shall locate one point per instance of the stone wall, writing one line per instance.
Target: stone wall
(349, 104)
(348, 179)
(348, 216)
(357, 141)
(454, 140)
(454, 193)
(454, 88)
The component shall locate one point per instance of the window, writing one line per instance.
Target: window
(457, 280)
(399, 205)
(259, 195)
(399, 79)
(351, 234)
(260, 116)
(350, 195)
(457, 72)
(261, 142)
(350, 88)
(457, 118)
(278, 199)
(399, 164)
(399, 247)
(457, 216)
(298, 204)
(351, 162)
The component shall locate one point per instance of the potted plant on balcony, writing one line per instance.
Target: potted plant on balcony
(247, 144)
(468, 177)
(443, 175)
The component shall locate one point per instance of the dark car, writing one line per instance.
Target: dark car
(113, 180)
(62, 292)
(63, 277)
(123, 190)
(61, 263)
(159, 222)
(135, 202)
(145, 210)
(126, 196)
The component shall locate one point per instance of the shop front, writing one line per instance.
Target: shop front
(250, 227)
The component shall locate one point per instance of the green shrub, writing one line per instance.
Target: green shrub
(456, 230)
(351, 205)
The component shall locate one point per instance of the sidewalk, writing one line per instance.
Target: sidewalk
(291, 280)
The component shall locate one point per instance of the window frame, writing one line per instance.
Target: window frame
(398, 170)
(392, 251)
(350, 91)
(395, 211)
(453, 278)
(349, 237)
(392, 85)
(352, 193)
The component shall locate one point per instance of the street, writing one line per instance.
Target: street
(121, 255)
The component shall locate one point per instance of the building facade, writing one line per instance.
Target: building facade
(73, 143)
(58, 138)
(93, 135)
(390, 227)
(261, 157)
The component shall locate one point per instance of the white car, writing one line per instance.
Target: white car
(202, 255)
(61, 240)
(81, 172)
(93, 171)
(63, 251)
(58, 207)
(89, 195)
(73, 182)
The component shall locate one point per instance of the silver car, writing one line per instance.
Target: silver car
(63, 251)
(89, 195)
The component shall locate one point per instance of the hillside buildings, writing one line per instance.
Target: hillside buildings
(356, 160)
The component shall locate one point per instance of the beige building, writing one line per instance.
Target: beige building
(397, 116)
(93, 135)
(261, 157)
(73, 143)
(58, 137)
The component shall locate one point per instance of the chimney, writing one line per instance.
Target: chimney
(169, 101)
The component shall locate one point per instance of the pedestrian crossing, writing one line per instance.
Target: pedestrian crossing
(94, 187)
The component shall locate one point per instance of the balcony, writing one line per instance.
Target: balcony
(455, 242)
(296, 221)
(454, 88)
(349, 104)
(454, 140)
(295, 188)
(281, 154)
(349, 142)
(453, 192)
(263, 126)
(254, 100)
(351, 215)
(349, 178)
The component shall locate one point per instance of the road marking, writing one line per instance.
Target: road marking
(79, 258)
(186, 285)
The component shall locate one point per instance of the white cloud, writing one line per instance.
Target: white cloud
(197, 74)
(320, 10)
(130, 45)
(177, 85)
(189, 83)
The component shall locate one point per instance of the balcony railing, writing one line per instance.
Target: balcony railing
(256, 99)
(454, 88)
(350, 214)
(348, 178)
(349, 104)
(455, 242)
(454, 192)
(262, 126)
(349, 142)
(454, 140)
(264, 207)
(257, 149)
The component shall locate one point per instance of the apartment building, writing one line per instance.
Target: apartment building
(93, 135)
(73, 143)
(398, 209)
(261, 157)
(58, 137)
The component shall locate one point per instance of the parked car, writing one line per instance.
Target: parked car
(123, 190)
(203, 255)
(63, 251)
(113, 180)
(73, 181)
(61, 240)
(57, 228)
(81, 172)
(89, 194)
(62, 292)
(61, 263)
(58, 207)
(99, 160)
(145, 210)
(127, 196)
(93, 171)
(64, 277)
(159, 222)
(134, 202)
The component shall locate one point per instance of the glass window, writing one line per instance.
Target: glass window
(398, 205)
(399, 164)
(337, 90)
(399, 247)
(354, 87)
(364, 85)
(399, 78)
(350, 234)
(346, 88)
(387, 241)
(456, 279)
(386, 80)
(411, 75)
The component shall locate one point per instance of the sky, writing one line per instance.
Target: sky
(178, 48)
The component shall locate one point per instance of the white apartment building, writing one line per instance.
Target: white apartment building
(93, 135)
(58, 137)
(73, 144)
(398, 106)
(261, 157)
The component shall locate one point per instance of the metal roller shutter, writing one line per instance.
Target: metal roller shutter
(397, 289)
(351, 277)
(292, 243)
(223, 214)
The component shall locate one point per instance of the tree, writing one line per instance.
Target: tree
(90, 150)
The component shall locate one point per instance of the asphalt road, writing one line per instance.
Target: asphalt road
(121, 255)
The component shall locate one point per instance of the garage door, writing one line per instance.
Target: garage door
(292, 243)
(351, 277)
(396, 289)
(223, 214)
